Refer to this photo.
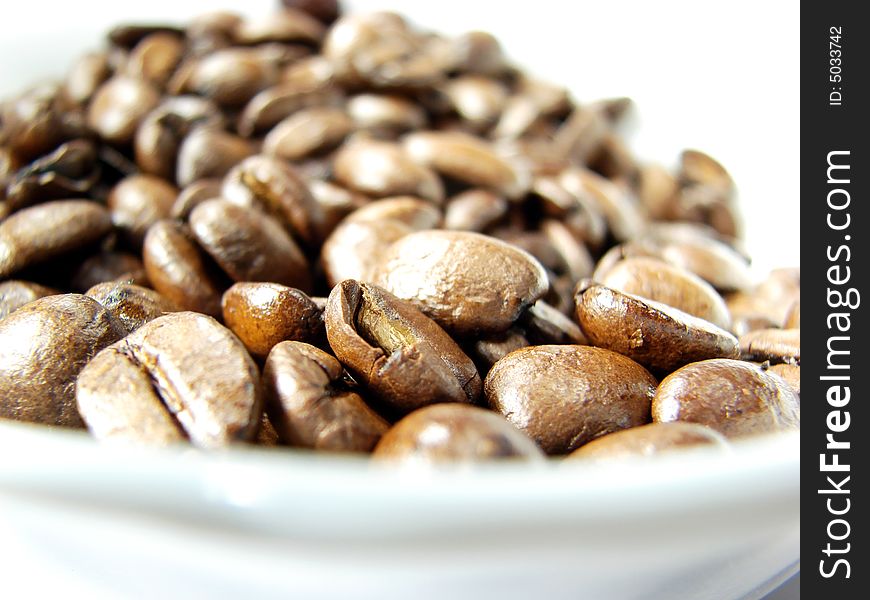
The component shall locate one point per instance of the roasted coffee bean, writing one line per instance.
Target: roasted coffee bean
(478, 100)
(308, 131)
(743, 324)
(775, 345)
(249, 245)
(698, 168)
(264, 314)
(178, 269)
(137, 202)
(546, 325)
(182, 371)
(790, 373)
(454, 433)
(69, 171)
(85, 76)
(793, 318)
(275, 187)
(278, 102)
(649, 441)
(335, 201)
(669, 285)
(289, 25)
(310, 408)
(565, 396)
(132, 305)
(397, 353)
(193, 195)
(109, 266)
(15, 294)
(43, 346)
(119, 105)
(381, 169)
(209, 153)
(624, 216)
(155, 57)
(34, 122)
(467, 282)
(231, 76)
(39, 233)
(489, 350)
(733, 397)
(386, 114)
(656, 335)
(474, 210)
(467, 159)
(325, 11)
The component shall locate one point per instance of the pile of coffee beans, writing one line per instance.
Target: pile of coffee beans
(344, 233)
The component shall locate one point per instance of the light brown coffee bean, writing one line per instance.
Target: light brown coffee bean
(155, 57)
(15, 294)
(661, 282)
(649, 441)
(479, 52)
(43, 346)
(775, 345)
(474, 210)
(397, 353)
(288, 25)
(209, 153)
(467, 282)
(733, 397)
(385, 113)
(263, 314)
(309, 406)
(309, 131)
(354, 249)
(790, 373)
(469, 160)
(85, 76)
(657, 190)
(478, 100)
(454, 433)
(132, 305)
(137, 202)
(656, 335)
(179, 270)
(274, 104)
(39, 233)
(199, 373)
(231, 76)
(624, 216)
(380, 169)
(699, 168)
(119, 105)
(793, 318)
(249, 245)
(565, 396)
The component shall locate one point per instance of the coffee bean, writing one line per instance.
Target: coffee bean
(193, 195)
(565, 396)
(231, 76)
(69, 171)
(39, 233)
(790, 373)
(733, 397)
(397, 353)
(489, 350)
(15, 294)
(201, 380)
(467, 282)
(209, 153)
(382, 113)
(793, 318)
(139, 201)
(325, 11)
(649, 441)
(264, 314)
(669, 285)
(309, 406)
(656, 335)
(474, 210)
(109, 266)
(775, 345)
(308, 131)
(155, 57)
(43, 346)
(546, 325)
(249, 245)
(119, 105)
(454, 433)
(85, 76)
(132, 305)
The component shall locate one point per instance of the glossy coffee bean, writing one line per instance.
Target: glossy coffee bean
(655, 335)
(565, 396)
(790, 373)
(397, 353)
(733, 397)
(649, 441)
(119, 105)
(454, 433)
(775, 345)
(497, 280)
(200, 374)
(137, 202)
(310, 407)
(209, 153)
(264, 314)
(43, 346)
(15, 294)
(132, 305)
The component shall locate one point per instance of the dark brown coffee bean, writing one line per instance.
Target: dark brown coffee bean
(48, 230)
(325, 11)
(209, 153)
(489, 350)
(381, 169)
(139, 201)
(467, 282)
(656, 335)
(34, 122)
(231, 76)
(43, 346)
(397, 353)
(132, 305)
(565, 396)
(200, 376)
(454, 433)
(649, 441)
(155, 57)
(775, 345)
(264, 314)
(546, 325)
(661, 282)
(109, 266)
(15, 294)
(127, 35)
(278, 102)
(193, 195)
(275, 187)
(308, 131)
(119, 105)
(474, 210)
(178, 269)
(467, 159)
(733, 397)
(308, 405)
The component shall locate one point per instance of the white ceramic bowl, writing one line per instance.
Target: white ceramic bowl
(97, 522)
